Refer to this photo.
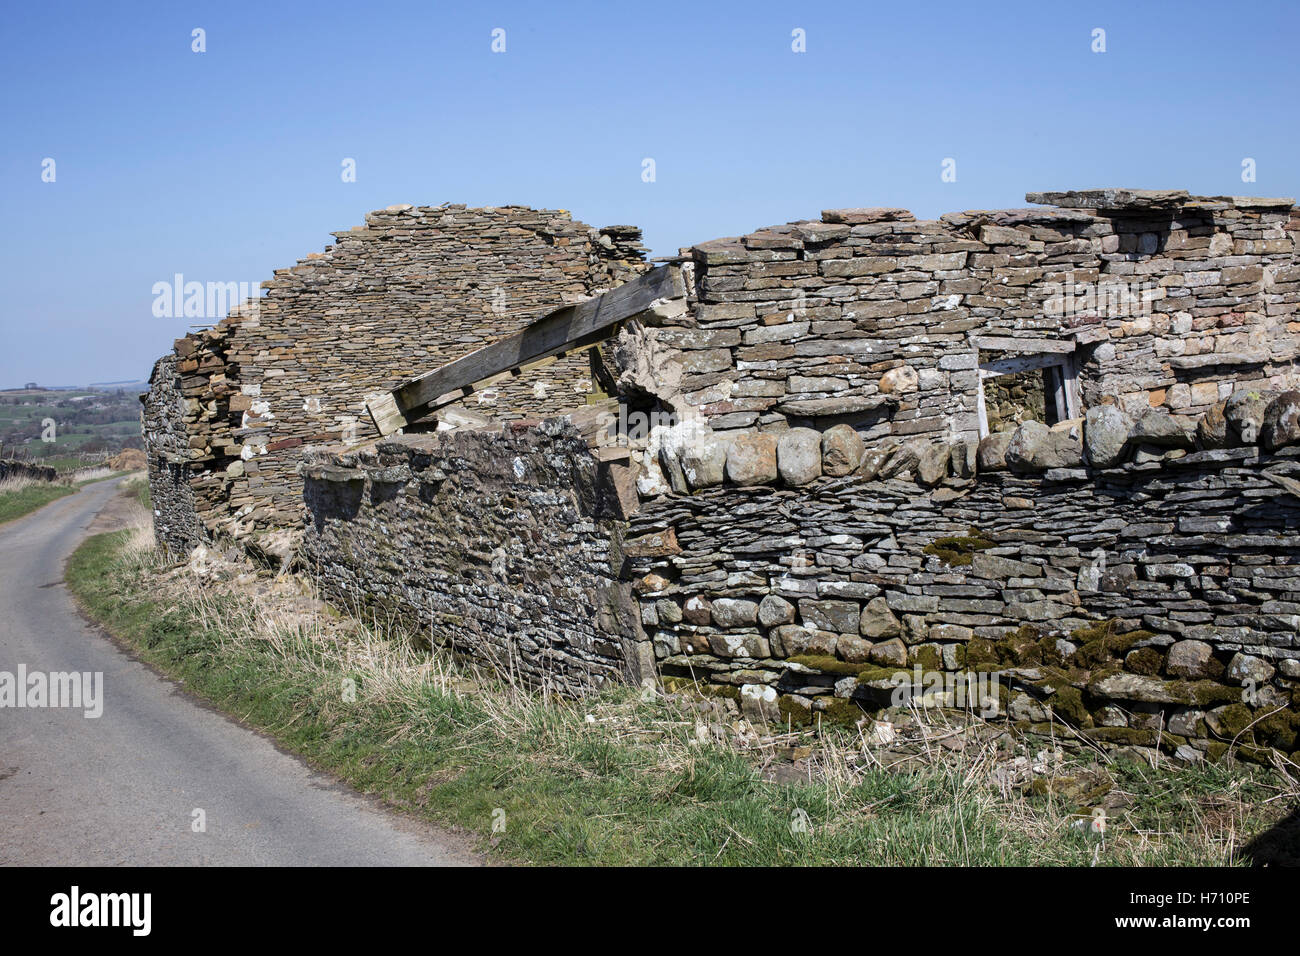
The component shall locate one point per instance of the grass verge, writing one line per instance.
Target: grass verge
(626, 778)
(137, 489)
(20, 496)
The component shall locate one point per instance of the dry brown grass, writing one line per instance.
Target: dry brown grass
(16, 483)
(933, 786)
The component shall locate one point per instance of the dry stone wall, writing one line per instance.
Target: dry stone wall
(163, 423)
(1152, 602)
(874, 318)
(497, 543)
(411, 289)
(25, 469)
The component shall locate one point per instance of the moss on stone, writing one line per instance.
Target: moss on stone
(1020, 647)
(1171, 742)
(1145, 660)
(957, 551)
(1082, 789)
(1280, 729)
(869, 674)
(1202, 693)
(1048, 652)
(674, 685)
(794, 712)
(1259, 755)
(1002, 691)
(1102, 642)
(1283, 739)
(929, 657)
(1044, 728)
(1215, 750)
(1093, 632)
(1136, 737)
(980, 650)
(1234, 719)
(1067, 703)
(1056, 677)
(840, 711)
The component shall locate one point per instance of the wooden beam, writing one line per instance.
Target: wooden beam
(1022, 363)
(563, 330)
(385, 407)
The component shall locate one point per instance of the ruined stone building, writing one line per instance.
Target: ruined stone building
(1054, 445)
(414, 287)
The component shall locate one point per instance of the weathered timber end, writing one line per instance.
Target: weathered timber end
(566, 329)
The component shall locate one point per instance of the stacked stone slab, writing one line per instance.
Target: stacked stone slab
(163, 418)
(826, 513)
(25, 469)
(1150, 602)
(870, 316)
(498, 543)
(413, 288)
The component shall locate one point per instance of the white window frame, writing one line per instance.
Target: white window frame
(1027, 355)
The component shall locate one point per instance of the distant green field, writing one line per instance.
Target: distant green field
(89, 424)
(64, 463)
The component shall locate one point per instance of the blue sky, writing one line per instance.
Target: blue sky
(226, 165)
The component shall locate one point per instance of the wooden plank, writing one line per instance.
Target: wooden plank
(388, 417)
(566, 329)
(1023, 363)
(1070, 382)
(556, 332)
(1054, 388)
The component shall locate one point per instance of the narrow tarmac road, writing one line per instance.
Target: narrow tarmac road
(121, 789)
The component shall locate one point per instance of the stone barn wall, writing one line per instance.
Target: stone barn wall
(413, 288)
(1154, 595)
(873, 318)
(826, 510)
(497, 543)
(1152, 601)
(162, 420)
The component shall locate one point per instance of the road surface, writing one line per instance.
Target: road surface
(121, 789)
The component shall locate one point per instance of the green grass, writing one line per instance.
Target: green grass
(137, 488)
(111, 475)
(63, 463)
(622, 779)
(15, 504)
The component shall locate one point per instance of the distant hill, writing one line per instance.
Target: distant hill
(125, 383)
